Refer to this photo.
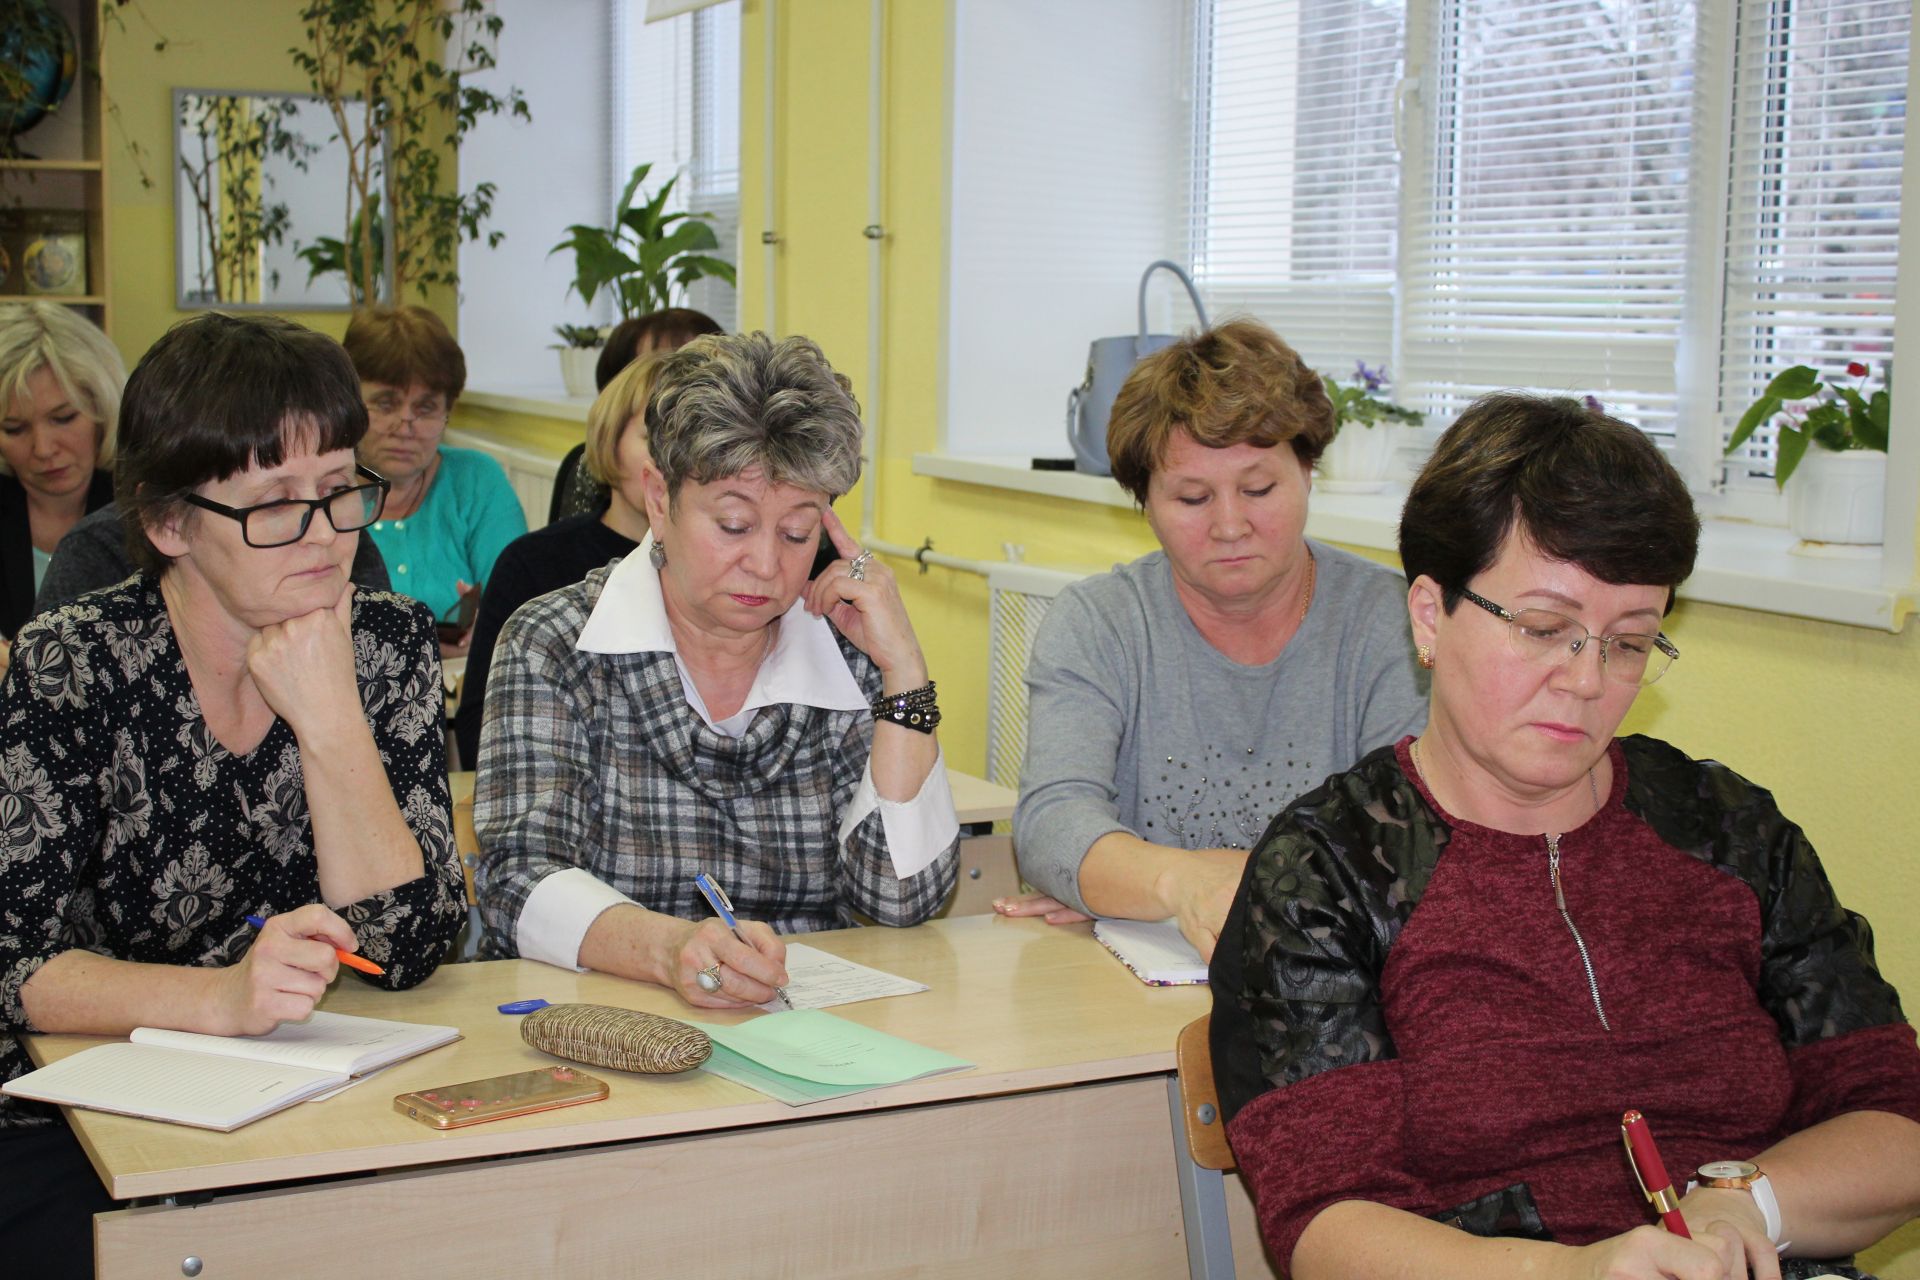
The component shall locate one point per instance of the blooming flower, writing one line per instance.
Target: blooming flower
(1593, 403)
(1855, 368)
(1372, 379)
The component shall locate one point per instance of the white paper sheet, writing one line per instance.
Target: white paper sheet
(819, 980)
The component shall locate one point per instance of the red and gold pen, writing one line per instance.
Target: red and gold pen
(1652, 1172)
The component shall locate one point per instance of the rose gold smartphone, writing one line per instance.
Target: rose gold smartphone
(454, 1106)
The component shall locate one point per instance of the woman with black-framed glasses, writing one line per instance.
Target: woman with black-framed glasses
(234, 731)
(1454, 967)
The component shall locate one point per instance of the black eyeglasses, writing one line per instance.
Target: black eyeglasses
(1553, 639)
(283, 522)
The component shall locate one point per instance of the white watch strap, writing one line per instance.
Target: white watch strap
(1761, 1189)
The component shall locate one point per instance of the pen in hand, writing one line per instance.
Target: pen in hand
(346, 958)
(1651, 1171)
(723, 907)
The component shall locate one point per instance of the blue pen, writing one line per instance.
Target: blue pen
(723, 907)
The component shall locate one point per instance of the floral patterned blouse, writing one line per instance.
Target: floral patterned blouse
(127, 830)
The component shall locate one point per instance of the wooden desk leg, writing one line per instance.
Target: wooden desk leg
(1203, 1202)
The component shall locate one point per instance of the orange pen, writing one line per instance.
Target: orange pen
(347, 958)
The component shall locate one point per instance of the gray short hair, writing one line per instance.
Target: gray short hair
(728, 403)
(40, 335)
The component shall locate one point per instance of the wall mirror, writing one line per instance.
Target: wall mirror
(259, 196)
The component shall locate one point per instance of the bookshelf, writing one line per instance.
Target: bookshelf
(62, 188)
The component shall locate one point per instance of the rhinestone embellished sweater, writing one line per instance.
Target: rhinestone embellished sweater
(1402, 1015)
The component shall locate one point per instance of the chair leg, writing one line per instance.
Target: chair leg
(1203, 1202)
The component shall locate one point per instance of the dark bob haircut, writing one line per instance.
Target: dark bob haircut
(667, 329)
(217, 395)
(1586, 489)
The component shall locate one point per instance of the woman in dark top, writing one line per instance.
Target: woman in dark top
(567, 550)
(60, 382)
(1453, 967)
(236, 731)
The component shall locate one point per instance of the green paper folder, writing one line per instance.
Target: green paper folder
(807, 1055)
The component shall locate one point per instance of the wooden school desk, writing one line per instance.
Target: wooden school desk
(1055, 1154)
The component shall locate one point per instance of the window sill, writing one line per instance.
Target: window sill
(538, 402)
(1747, 566)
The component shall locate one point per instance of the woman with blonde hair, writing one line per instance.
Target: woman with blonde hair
(566, 550)
(60, 382)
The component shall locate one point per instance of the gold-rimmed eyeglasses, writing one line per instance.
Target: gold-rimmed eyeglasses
(390, 407)
(1553, 639)
(284, 522)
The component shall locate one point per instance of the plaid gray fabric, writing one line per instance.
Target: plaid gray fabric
(596, 760)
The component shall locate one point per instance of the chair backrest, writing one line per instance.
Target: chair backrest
(575, 491)
(1199, 1099)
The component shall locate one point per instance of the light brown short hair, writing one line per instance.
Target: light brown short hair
(401, 346)
(1237, 383)
(612, 412)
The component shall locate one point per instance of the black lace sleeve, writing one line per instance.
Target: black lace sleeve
(1296, 973)
(1817, 973)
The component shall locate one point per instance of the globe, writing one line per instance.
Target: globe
(42, 53)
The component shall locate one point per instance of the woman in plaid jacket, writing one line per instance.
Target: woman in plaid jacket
(702, 705)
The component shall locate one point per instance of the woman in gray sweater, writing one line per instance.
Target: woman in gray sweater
(1179, 702)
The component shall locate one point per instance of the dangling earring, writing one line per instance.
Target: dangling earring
(1424, 653)
(658, 555)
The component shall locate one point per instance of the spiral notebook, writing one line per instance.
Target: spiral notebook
(223, 1082)
(1157, 952)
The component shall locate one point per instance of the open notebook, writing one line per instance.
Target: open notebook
(223, 1082)
(1155, 950)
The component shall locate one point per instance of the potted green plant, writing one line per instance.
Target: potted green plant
(648, 257)
(1833, 438)
(1366, 431)
(579, 349)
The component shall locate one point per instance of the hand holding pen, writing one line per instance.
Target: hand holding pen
(283, 974)
(712, 978)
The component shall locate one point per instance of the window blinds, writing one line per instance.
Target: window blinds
(1547, 238)
(1293, 212)
(677, 107)
(1813, 222)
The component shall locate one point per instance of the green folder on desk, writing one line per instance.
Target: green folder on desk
(808, 1055)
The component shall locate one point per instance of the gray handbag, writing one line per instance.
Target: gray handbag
(1109, 361)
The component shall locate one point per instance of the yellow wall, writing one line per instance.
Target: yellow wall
(210, 44)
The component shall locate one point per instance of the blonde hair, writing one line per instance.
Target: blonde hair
(40, 335)
(623, 400)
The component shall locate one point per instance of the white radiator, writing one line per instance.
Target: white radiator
(531, 474)
(1018, 598)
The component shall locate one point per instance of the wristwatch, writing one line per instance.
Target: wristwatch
(1744, 1175)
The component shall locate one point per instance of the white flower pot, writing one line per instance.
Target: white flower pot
(1359, 459)
(576, 369)
(1838, 497)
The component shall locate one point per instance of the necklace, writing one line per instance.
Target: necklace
(415, 492)
(1559, 892)
(1306, 596)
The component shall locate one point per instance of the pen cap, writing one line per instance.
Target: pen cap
(624, 1039)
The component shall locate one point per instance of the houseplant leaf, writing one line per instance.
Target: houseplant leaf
(1789, 447)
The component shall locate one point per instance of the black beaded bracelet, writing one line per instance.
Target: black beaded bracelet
(915, 709)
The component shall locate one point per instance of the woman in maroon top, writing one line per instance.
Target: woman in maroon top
(1452, 967)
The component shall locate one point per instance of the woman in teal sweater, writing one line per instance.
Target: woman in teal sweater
(451, 510)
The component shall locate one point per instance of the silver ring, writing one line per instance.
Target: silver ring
(709, 979)
(857, 567)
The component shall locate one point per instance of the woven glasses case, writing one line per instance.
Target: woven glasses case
(624, 1039)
